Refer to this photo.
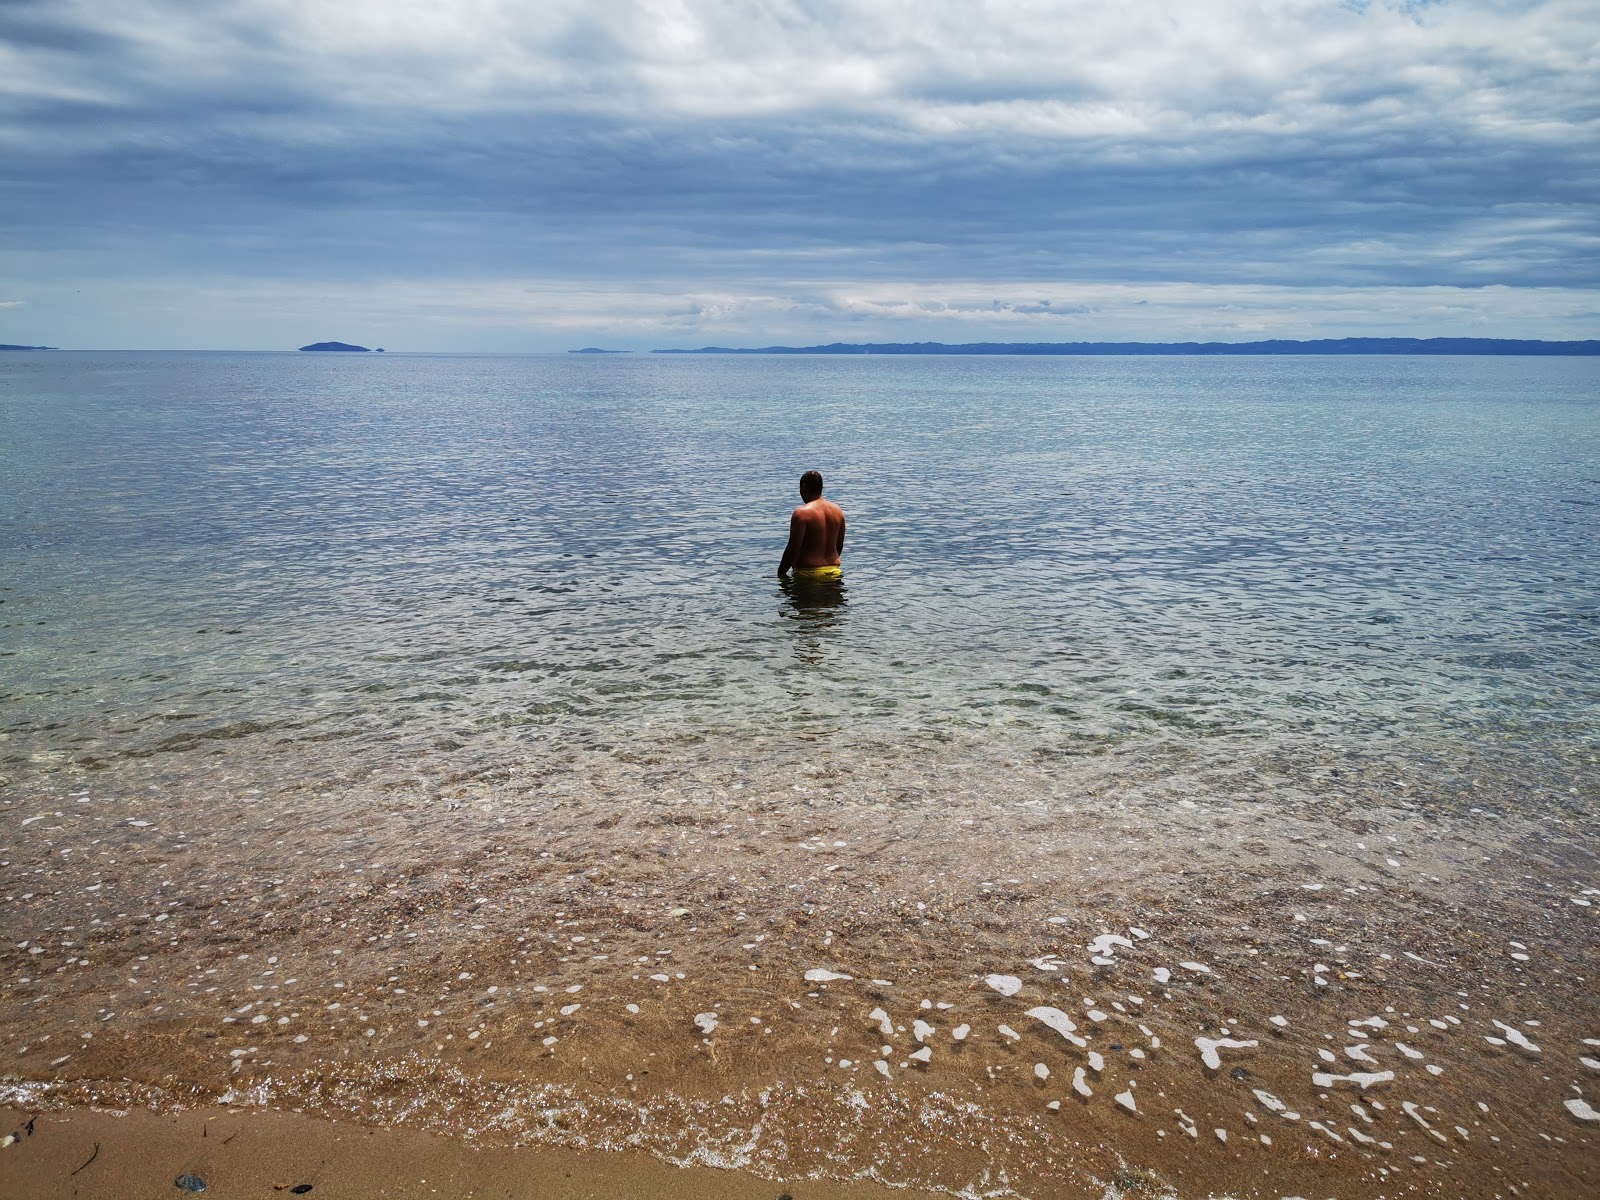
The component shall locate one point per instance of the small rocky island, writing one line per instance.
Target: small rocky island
(336, 346)
(5, 347)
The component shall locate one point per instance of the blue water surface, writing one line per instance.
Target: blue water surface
(1066, 553)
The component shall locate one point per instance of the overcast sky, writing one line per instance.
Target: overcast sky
(503, 175)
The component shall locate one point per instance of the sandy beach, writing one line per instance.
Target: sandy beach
(1246, 980)
(92, 1153)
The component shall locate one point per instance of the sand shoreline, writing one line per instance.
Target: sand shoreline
(87, 1153)
(536, 959)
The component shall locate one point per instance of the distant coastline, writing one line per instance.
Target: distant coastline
(4, 347)
(1512, 346)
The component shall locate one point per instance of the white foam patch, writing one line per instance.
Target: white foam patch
(706, 1022)
(1126, 1100)
(1106, 944)
(1581, 1109)
(959, 1033)
(1208, 1048)
(1079, 1084)
(823, 975)
(1360, 1079)
(1272, 1104)
(1515, 1037)
(1161, 974)
(1041, 1071)
(1010, 1033)
(1198, 967)
(1407, 1050)
(923, 1055)
(922, 1031)
(885, 1025)
(1006, 985)
(1057, 1020)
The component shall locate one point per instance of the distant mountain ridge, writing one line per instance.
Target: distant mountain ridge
(5, 347)
(1514, 346)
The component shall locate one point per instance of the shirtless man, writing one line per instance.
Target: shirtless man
(816, 534)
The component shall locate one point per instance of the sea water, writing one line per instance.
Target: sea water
(1193, 780)
(1061, 552)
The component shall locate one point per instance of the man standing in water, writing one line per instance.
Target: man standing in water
(816, 535)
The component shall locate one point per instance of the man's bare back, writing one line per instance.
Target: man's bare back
(816, 530)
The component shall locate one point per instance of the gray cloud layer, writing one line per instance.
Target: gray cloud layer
(845, 168)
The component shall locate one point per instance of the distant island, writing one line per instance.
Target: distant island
(1277, 346)
(597, 350)
(5, 347)
(336, 346)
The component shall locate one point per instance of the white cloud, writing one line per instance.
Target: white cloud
(538, 315)
(676, 165)
(1068, 68)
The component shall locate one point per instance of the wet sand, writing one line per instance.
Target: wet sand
(1248, 975)
(90, 1154)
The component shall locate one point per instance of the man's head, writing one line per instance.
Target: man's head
(810, 485)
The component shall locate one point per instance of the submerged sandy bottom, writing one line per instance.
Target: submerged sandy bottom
(1328, 972)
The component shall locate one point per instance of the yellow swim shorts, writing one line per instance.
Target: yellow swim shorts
(818, 574)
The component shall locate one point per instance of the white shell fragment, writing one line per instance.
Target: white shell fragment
(922, 1031)
(1126, 1100)
(706, 1022)
(1059, 1021)
(1079, 1084)
(923, 1055)
(960, 1032)
(1006, 985)
(1041, 1071)
(1208, 1048)
(823, 975)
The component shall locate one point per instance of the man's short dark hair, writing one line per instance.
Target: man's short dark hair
(811, 483)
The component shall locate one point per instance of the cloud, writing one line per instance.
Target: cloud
(734, 148)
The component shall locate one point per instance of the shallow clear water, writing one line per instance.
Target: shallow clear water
(1059, 551)
(426, 741)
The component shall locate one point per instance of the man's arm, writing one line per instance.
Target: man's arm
(797, 533)
(839, 549)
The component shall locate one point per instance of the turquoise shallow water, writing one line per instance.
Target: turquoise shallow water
(357, 552)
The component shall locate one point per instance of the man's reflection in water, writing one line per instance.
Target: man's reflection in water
(816, 609)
